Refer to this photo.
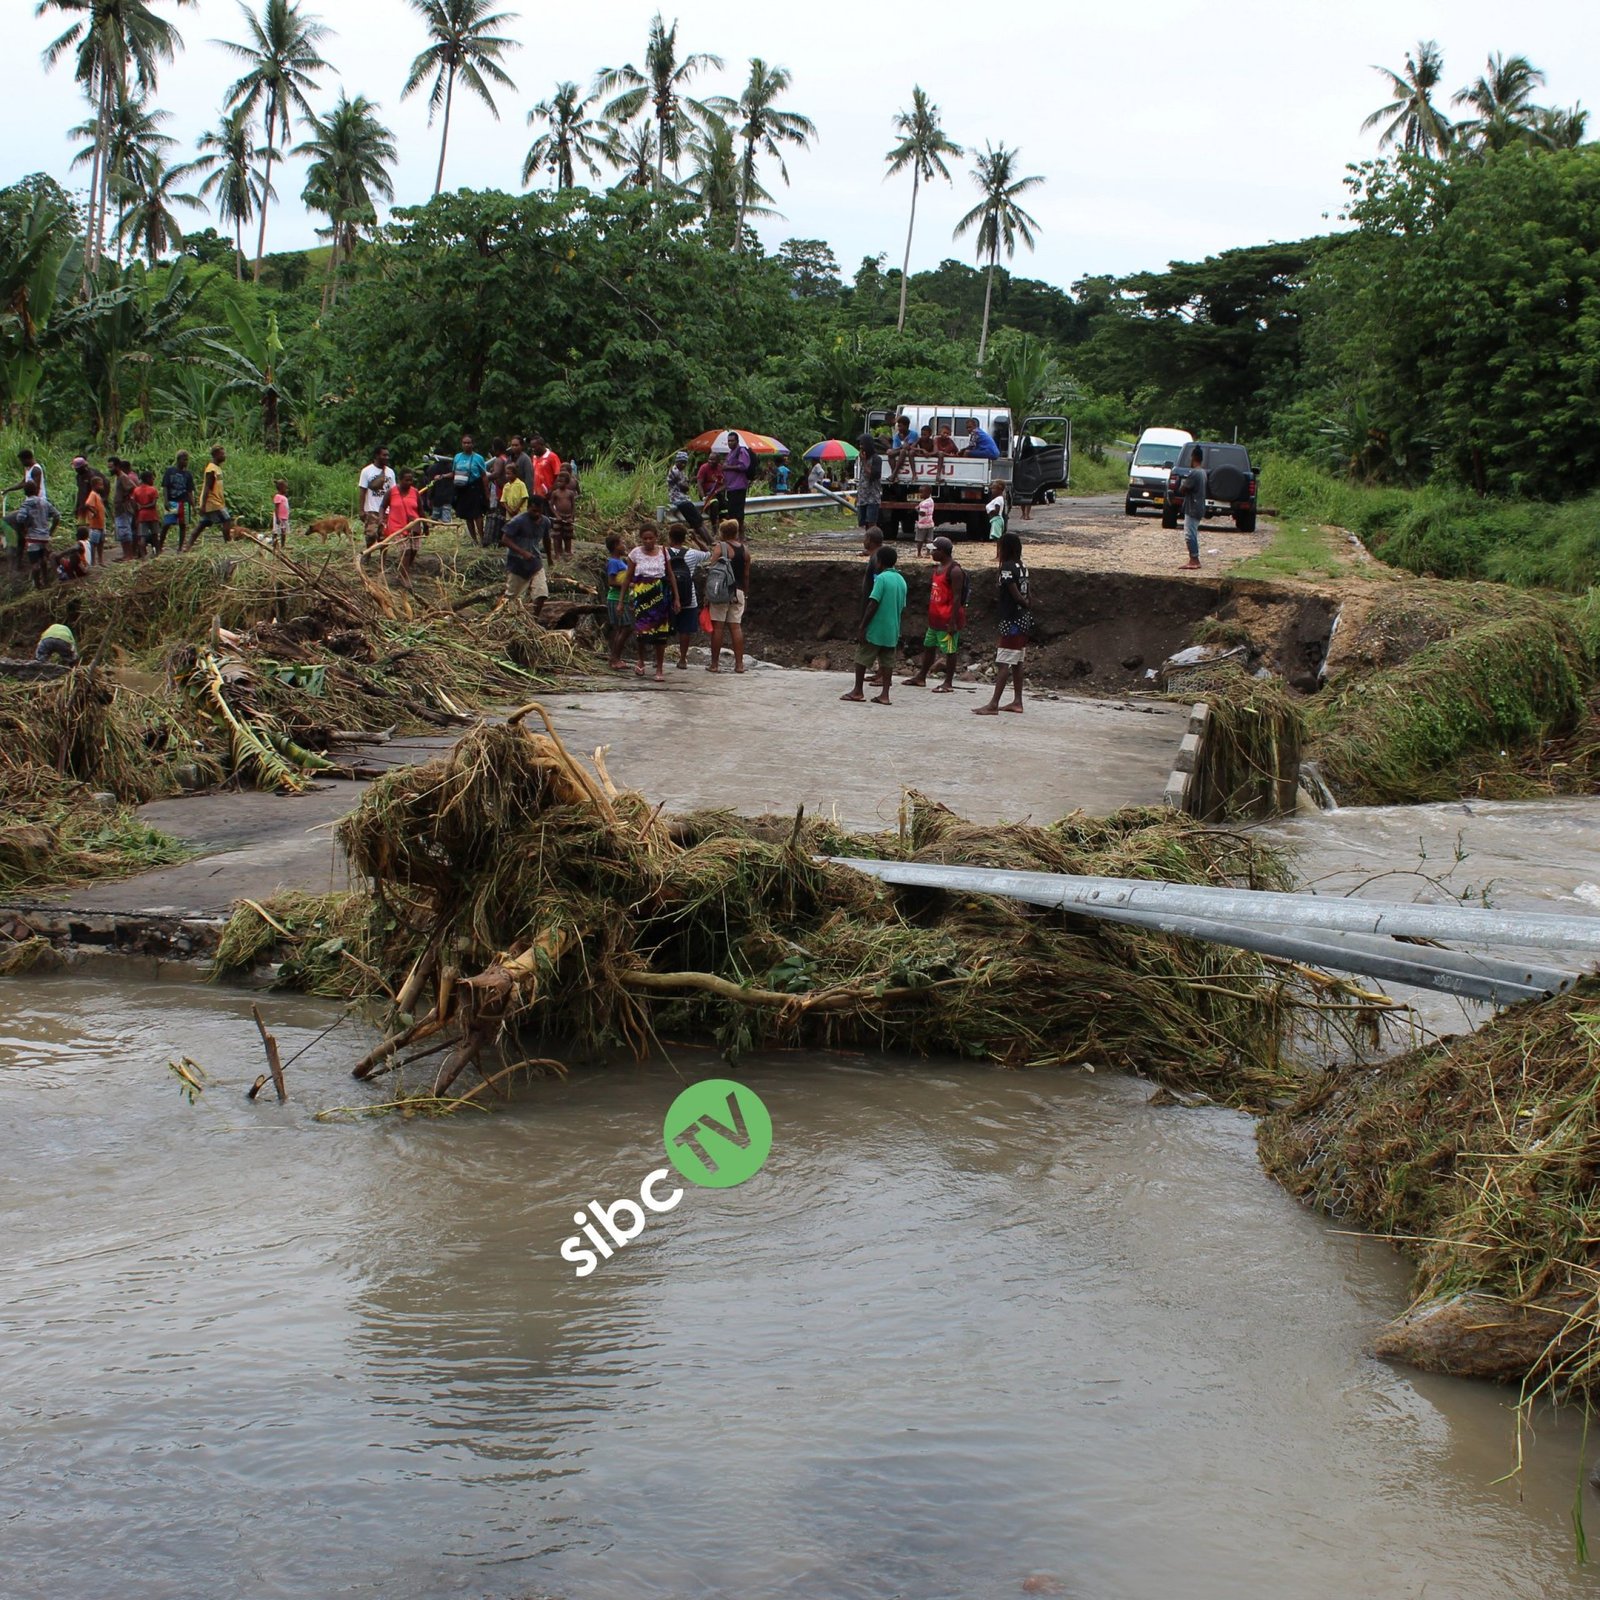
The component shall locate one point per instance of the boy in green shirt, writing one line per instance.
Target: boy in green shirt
(880, 627)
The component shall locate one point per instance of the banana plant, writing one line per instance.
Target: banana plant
(131, 322)
(252, 364)
(39, 276)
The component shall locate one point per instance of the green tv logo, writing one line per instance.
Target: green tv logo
(717, 1134)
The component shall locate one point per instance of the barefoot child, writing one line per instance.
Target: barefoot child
(925, 510)
(94, 519)
(1016, 624)
(619, 621)
(563, 513)
(280, 514)
(880, 628)
(146, 514)
(996, 510)
(947, 616)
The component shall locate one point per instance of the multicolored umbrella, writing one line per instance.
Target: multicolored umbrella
(832, 450)
(715, 443)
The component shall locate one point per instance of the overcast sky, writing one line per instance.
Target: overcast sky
(1259, 102)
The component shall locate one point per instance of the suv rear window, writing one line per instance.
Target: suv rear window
(1222, 455)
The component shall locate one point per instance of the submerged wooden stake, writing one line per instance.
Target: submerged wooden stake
(274, 1063)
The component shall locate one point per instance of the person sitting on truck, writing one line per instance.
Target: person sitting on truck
(981, 443)
(945, 444)
(902, 446)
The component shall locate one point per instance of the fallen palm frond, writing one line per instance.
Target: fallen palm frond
(512, 890)
(1479, 1156)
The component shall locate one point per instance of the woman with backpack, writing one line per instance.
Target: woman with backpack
(684, 557)
(727, 571)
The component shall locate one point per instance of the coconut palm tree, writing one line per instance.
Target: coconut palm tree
(283, 64)
(231, 158)
(660, 88)
(148, 223)
(571, 137)
(762, 128)
(1000, 221)
(105, 38)
(465, 45)
(922, 147)
(351, 153)
(123, 151)
(717, 180)
(634, 155)
(1502, 98)
(1413, 121)
(1561, 130)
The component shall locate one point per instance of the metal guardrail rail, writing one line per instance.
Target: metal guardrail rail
(760, 505)
(1357, 936)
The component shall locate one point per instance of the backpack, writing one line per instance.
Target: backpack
(721, 586)
(681, 574)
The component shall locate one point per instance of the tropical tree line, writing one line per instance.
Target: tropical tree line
(646, 121)
(1402, 346)
(1496, 111)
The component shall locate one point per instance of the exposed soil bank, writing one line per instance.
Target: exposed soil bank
(1094, 632)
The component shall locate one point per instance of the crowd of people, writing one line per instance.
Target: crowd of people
(885, 596)
(691, 582)
(520, 497)
(125, 503)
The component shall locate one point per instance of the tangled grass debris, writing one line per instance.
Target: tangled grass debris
(254, 665)
(1478, 1155)
(519, 899)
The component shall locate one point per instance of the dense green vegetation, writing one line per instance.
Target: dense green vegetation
(1427, 376)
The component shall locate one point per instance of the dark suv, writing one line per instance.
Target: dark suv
(1231, 484)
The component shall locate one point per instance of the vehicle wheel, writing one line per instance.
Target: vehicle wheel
(1245, 521)
(1169, 519)
(978, 527)
(1130, 508)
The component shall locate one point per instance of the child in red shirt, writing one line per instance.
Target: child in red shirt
(280, 514)
(146, 512)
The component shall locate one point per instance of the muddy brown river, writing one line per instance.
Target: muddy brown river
(965, 1330)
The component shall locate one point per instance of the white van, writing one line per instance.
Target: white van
(1153, 458)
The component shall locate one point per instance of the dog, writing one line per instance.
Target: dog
(324, 527)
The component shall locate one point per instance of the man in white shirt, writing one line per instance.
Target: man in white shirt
(376, 481)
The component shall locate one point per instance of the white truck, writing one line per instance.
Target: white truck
(1153, 458)
(1033, 461)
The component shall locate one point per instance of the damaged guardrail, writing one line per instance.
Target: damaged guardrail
(1360, 936)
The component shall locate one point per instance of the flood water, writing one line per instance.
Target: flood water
(964, 1329)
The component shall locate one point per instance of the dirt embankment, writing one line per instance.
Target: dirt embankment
(1097, 633)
